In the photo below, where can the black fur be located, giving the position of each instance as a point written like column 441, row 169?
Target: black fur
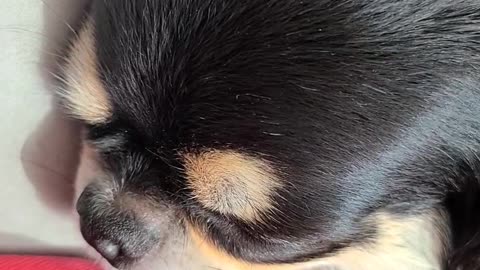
column 362, row 106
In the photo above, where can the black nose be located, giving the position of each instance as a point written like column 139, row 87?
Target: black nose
column 112, row 249
column 119, row 236
column 108, row 249
column 117, row 243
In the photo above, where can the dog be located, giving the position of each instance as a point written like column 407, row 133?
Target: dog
column 279, row 134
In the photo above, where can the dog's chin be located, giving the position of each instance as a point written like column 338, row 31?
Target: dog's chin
column 142, row 264
column 99, row 261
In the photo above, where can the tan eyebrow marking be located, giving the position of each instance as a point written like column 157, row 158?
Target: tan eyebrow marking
column 232, row 183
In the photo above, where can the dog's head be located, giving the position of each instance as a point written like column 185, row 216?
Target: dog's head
column 262, row 134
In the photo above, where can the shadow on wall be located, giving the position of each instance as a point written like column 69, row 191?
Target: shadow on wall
column 50, row 156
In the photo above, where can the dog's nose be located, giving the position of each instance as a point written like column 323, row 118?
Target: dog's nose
column 119, row 235
column 117, row 238
column 108, row 249
column 116, row 249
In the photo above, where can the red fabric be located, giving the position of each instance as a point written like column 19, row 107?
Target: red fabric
column 44, row 263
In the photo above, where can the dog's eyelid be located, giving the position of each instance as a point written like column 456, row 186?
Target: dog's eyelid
column 109, row 143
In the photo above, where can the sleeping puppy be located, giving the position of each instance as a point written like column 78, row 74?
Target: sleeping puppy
column 280, row 134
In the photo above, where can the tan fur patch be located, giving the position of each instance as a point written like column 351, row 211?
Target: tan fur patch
column 85, row 97
column 231, row 183
column 415, row 243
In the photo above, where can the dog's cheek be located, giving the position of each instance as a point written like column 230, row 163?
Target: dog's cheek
column 402, row 243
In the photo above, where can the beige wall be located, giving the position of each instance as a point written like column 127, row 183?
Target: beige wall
column 37, row 156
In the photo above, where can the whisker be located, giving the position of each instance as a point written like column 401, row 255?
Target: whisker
column 60, row 18
column 164, row 159
column 38, row 36
column 63, row 20
column 20, row 30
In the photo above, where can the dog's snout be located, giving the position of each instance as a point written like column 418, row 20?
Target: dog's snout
column 116, row 250
column 117, row 234
column 108, row 249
